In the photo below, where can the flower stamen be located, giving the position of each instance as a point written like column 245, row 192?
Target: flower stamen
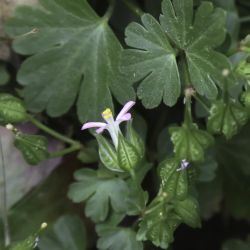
column 107, row 113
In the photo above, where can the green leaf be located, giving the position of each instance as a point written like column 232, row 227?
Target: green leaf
column 152, row 60
column 174, row 183
column 27, row 244
column 135, row 140
column 33, row 147
column 4, row 75
column 190, row 142
column 226, row 118
column 12, row 109
column 74, row 53
column 235, row 152
column 245, row 98
column 234, row 159
column 114, row 238
column 210, row 197
column 197, row 34
column 68, row 233
column 108, row 154
column 188, row 210
column 158, row 225
column 234, row 244
column 208, row 168
column 245, row 44
column 136, row 199
column 128, row 157
column 100, row 193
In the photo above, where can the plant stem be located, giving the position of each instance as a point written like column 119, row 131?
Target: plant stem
column 133, row 7
column 188, row 92
column 52, row 132
column 188, row 112
column 109, row 11
column 7, row 240
column 65, row 151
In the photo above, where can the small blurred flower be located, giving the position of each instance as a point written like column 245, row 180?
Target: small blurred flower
column 111, row 125
column 184, row 165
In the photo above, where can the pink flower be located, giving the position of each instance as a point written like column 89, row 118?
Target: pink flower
column 111, row 125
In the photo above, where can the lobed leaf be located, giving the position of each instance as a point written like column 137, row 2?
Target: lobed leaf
column 74, row 54
column 188, row 210
column 119, row 238
column 181, row 33
column 226, row 118
column 100, row 193
column 33, row 147
column 190, row 142
column 68, row 233
column 152, row 60
column 174, row 183
column 12, row 109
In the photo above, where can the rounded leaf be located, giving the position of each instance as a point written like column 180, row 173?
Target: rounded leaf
column 33, row 147
column 190, row 142
column 128, row 157
column 188, row 210
column 226, row 118
column 12, row 109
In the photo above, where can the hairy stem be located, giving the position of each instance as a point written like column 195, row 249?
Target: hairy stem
column 52, row 132
column 66, row 151
column 7, row 239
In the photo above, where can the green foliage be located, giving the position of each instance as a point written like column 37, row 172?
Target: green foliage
column 153, row 58
column 32, row 207
column 174, row 183
column 190, row 142
column 234, row 244
column 67, row 41
column 226, row 118
column 12, row 109
column 127, row 155
column 233, row 157
column 196, row 35
column 100, row 192
column 135, row 139
column 4, row 75
column 74, row 56
column 158, row 225
column 68, row 233
column 27, row 244
column 108, row 155
column 188, row 210
column 113, row 238
column 33, row 147
column 208, row 168
column 210, row 195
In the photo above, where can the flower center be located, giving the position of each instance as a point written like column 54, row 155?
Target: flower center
column 107, row 113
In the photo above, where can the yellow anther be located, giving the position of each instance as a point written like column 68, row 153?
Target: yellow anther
column 107, row 113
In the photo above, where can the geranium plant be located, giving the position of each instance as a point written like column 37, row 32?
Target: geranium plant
column 176, row 155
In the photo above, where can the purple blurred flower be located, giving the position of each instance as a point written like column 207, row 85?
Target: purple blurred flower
column 112, row 125
column 184, row 165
